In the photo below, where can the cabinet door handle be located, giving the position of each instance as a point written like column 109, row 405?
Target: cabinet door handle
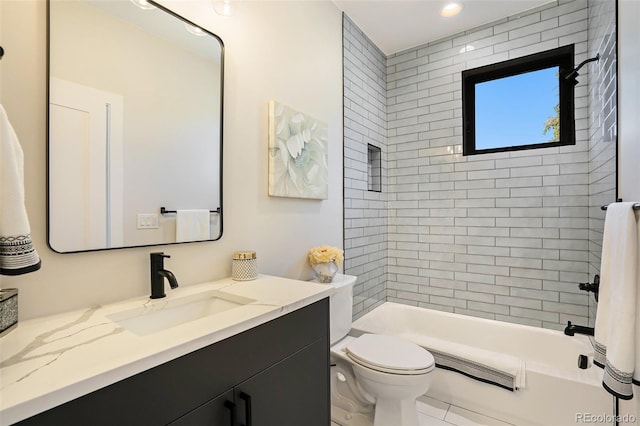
column 232, row 411
column 247, row 407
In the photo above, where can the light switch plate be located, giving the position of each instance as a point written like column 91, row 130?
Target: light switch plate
column 147, row 221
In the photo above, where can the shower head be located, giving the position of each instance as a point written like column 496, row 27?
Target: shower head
column 573, row 74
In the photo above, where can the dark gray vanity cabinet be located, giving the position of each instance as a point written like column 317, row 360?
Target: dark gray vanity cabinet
column 218, row 411
column 275, row 374
column 285, row 394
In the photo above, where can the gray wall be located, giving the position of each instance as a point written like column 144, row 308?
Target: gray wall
column 365, row 212
column 506, row 236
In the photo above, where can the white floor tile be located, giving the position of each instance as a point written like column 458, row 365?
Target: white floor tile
column 461, row 417
column 432, row 412
column 426, row 420
column 432, row 407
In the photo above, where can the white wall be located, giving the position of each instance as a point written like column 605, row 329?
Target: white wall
column 285, row 51
column 628, row 100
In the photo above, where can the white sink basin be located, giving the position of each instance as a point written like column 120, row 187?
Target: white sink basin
column 158, row 315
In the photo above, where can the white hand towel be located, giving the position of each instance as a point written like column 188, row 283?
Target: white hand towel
column 616, row 332
column 17, row 254
column 192, row 225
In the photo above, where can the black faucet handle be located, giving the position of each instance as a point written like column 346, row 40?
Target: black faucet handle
column 158, row 256
column 157, row 261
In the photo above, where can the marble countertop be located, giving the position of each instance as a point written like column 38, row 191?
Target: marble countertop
column 48, row 361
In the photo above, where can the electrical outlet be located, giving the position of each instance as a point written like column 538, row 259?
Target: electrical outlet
column 147, row 221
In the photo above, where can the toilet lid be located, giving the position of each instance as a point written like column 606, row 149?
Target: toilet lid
column 390, row 354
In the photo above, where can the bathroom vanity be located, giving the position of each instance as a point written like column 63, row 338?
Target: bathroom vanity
column 263, row 362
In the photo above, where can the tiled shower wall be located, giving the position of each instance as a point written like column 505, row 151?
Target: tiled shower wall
column 365, row 212
column 506, row 236
column 501, row 236
column 602, row 126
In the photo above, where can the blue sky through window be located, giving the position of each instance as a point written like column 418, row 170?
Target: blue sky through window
column 511, row 111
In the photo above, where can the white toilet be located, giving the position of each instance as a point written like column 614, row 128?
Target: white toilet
column 374, row 377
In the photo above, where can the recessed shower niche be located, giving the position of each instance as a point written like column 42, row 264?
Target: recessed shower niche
column 374, row 169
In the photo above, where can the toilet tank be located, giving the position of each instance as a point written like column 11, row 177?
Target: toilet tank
column 341, row 306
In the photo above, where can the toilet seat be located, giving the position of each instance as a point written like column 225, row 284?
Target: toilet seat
column 390, row 354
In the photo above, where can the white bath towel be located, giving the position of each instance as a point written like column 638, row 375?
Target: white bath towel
column 616, row 332
column 17, row 254
column 192, row 225
column 503, row 370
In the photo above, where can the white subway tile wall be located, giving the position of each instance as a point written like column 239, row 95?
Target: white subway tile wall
column 365, row 212
column 602, row 126
column 506, row 236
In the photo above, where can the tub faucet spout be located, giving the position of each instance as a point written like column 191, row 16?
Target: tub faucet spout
column 158, row 274
column 571, row 329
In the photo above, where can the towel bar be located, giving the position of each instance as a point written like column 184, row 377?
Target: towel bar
column 636, row 206
column 165, row 211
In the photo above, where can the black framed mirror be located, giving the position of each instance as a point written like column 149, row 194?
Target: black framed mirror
column 135, row 107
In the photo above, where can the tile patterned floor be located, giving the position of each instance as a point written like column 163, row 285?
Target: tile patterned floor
column 432, row 412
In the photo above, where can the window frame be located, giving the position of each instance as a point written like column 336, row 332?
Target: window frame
column 562, row 57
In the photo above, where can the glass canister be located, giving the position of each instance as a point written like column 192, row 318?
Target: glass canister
column 245, row 266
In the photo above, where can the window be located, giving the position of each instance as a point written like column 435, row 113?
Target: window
column 519, row 104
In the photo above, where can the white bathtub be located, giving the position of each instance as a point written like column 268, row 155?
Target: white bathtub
column 557, row 392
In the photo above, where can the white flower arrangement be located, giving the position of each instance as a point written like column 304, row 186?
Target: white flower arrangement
column 325, row 254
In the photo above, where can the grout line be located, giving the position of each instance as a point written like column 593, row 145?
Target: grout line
column 480, row 414
column 445, row 415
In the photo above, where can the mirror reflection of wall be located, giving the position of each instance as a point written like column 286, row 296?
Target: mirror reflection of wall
column 135, row 124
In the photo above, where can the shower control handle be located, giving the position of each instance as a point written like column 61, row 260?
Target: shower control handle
column 594, row 286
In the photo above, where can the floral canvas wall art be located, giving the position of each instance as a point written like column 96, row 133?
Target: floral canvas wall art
column 298, row 162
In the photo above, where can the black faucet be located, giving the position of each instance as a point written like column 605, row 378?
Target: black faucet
column 158, row 274
column 571, row 329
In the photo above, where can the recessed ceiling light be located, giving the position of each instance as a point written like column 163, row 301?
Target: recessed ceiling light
column 450, row 9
